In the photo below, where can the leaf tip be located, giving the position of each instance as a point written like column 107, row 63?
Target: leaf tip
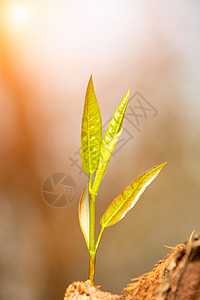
column 128, row 92
column 90, row 82
column 163, row 164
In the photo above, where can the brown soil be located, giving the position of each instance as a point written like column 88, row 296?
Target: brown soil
column 176, row 277
column 86, row 290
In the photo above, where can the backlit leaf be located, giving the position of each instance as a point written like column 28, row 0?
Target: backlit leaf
column 106, row 151
column 91, row 131
column 83, row 210
column 109, row 141
column 129, row 197
column 115, row 123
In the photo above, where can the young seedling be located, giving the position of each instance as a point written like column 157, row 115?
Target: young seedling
column 95, row 155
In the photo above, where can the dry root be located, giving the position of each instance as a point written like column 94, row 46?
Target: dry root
column 85, row 291
column 176, row 277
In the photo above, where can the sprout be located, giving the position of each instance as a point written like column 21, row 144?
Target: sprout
column 95, row 155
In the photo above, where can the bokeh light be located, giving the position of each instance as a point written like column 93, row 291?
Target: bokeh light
column 16, row 13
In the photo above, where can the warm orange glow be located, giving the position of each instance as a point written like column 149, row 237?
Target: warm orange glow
column 19, row 13
column 16, row 13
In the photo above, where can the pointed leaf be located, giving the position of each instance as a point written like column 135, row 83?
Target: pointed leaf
column 109, row 141
column 106, row 151
column 91, row 131
column 129, row 197
column 115, row 123
column 84, row 214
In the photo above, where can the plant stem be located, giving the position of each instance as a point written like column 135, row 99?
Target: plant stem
column 92, row 225
column 92, row 267
column 99, row 237
column 92, row 249
column 90, row 183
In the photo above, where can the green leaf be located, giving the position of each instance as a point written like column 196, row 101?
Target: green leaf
column 115, row 123
column 83, row 210
column 110, row 138
column 91, row 131
column 106, row 151
column 129, row 197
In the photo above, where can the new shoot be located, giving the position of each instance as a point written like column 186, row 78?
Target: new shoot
column 95, row 155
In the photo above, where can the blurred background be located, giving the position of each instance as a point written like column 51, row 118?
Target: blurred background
column 48, row 49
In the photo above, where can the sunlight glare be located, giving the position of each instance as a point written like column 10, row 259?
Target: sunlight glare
column 17, row 13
